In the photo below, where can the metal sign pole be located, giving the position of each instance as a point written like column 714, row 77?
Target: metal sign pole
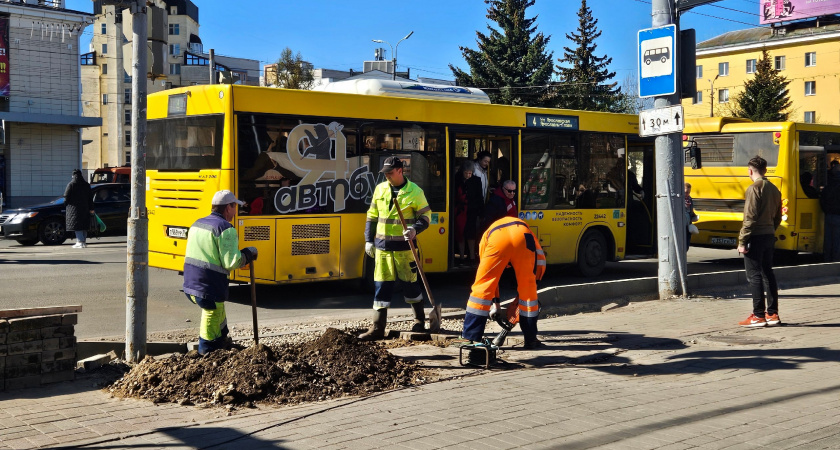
column 669, row 173
column 137, row 270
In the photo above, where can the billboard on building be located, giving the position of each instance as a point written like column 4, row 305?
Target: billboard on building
column 783, row 10
column 4, row 56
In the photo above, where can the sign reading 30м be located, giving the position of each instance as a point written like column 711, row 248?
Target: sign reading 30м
column 656, row 61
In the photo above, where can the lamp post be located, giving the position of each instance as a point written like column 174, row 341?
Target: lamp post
column 712, row 97
column 393, row 50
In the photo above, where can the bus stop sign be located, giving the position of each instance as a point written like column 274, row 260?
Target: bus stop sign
column 656, row 61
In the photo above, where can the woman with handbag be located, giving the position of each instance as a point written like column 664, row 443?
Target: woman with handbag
column 79, row 208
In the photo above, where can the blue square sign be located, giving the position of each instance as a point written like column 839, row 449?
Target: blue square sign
column 656, row 61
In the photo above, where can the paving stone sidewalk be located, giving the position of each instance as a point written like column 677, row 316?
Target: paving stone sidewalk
column 673, row 374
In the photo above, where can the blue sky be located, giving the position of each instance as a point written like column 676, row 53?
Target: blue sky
column 337, row 34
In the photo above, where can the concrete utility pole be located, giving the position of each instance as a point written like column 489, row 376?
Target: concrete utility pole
column 669, row 180
column 137, row 273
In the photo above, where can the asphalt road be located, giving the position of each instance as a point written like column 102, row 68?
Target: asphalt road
column 95, row 278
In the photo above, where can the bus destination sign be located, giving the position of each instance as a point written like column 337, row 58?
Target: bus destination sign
column 551, row 121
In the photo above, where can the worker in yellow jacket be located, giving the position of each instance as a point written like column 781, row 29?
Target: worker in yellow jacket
column 507, row 241
column 388, row 244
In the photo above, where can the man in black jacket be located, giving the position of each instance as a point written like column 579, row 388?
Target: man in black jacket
column 830, row 203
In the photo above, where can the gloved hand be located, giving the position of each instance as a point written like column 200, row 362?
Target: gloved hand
column 369, row 249
column 539, row 272
column 250, row 254
column 495, row 308
column 409, row 233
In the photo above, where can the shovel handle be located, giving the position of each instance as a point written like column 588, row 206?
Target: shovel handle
column 415, row 255
column 254, row 305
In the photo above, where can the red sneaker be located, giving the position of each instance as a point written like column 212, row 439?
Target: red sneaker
column 753, row 321
column 772, row 319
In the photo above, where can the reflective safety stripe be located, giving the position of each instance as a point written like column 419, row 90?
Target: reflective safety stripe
column 479, row 306
column 390, row 238
column 529, row 308
column 417, row 299
column 206, row 226
column 379, row 305
column 540, row 252
column 540, row 262
column 395, row 221
column 205, row 265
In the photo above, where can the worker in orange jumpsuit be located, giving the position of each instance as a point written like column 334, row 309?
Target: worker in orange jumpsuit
column 507, row 241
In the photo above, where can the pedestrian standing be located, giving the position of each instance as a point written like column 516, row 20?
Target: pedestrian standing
column 469, row 205
column 757, row 240
column 502, row 203
column 830, row 203
column 507, row 241
column 690, row 216
column 482, row 171
column 388, row 244
column 212, row 252
column 79, row 208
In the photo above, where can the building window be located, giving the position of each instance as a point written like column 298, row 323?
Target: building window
column 174, row 69
column 699, row 70
column 104, row 29
column 127, row 158
column 127, row 115
column 810, row 59
column 88, row 59
column 779, row 62
column 104, row 49
column 810, row 116
column 127, row 96
column 194, row 60
column 173, row 10
column 174, row 29
column 126, row 77
column 723, row 95
column 104, row 99
column 698, row 98
column 128, row 138
column 174, row 49
column 723, row 69
column 104, row 69
column 810, row 88
column 751, row 65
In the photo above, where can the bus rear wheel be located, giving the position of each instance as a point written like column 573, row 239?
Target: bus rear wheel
column 592, row 254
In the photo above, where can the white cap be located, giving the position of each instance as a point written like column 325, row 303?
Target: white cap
column 225, row 197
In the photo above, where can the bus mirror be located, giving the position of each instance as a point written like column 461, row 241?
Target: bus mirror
column 696, row 158
column 3, row 132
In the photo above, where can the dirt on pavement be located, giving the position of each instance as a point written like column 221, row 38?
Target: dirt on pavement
column 335, row 365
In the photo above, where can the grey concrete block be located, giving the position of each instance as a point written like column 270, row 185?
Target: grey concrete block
column 19, row 348
column 34, row 323
column 96, row 361
column 28, row 358
column 69, row 319
column 56, row 355
column 58, row 366
column 57, row 331
column 23, row 382
column 23, row 336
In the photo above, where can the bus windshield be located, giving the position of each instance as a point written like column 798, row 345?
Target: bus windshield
column 184, row 143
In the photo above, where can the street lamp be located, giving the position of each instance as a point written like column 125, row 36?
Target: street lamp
column 712, row 97
column 393, row 50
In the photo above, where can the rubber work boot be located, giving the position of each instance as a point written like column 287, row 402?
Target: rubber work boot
column 528, row 325
column 377, row 330
column 419, row 318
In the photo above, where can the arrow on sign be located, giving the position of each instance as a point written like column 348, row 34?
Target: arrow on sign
column 677, row 118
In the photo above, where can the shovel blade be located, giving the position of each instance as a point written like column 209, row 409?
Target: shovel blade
column 434, row 318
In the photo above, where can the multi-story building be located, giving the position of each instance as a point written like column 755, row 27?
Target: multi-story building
column 40, row 107
column 176, row 58
column 804, row 52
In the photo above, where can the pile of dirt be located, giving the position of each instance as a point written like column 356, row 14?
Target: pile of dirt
column 335, row 365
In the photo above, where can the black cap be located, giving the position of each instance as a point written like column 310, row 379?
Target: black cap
column 391, row 163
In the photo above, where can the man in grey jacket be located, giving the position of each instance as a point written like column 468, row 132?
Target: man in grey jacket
column 757, row 240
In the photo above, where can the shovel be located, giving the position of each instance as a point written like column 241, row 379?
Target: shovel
column 434, row 315
column 254, row 305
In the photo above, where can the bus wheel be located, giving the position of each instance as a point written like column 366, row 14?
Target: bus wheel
column 592, row 254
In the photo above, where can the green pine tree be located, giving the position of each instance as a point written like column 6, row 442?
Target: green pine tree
column 512, row 65
column 766, row 97
column 292, row 72
column 584, row 79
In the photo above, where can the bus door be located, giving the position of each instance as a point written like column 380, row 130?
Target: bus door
column 641, row 214
column 466, row 145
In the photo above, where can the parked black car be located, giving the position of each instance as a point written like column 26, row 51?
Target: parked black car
column 46, row 222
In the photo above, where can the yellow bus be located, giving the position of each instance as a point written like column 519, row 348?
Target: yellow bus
column 797, row 154
column 307, row 163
